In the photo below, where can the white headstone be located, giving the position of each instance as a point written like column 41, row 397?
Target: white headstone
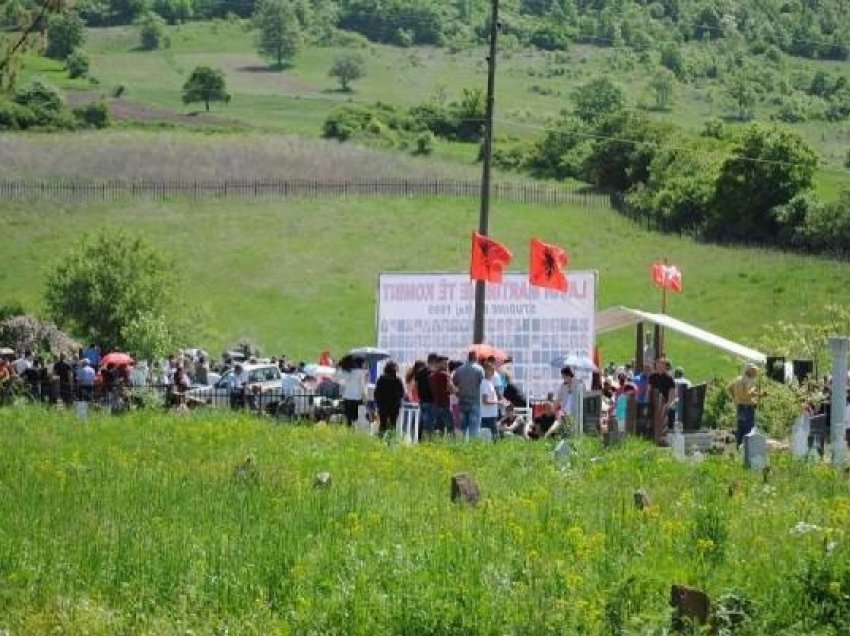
column 677, row 443
column 839, row 348
column 800, row 438
column 755, row 450
column 82, row 409
column 562, row 452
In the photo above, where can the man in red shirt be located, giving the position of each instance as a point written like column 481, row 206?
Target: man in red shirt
column 441, row 387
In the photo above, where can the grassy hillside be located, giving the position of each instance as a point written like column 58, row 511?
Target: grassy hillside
column 533, row 86
column 137, row 525
column 299, row 276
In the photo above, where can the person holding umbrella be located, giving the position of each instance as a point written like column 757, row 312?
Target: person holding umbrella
column 352, row 376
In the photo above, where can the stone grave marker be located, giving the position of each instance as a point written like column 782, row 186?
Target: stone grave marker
column 800, row 438
column 755, row 450
column 465, row 489
column 692, row 606
column 642, row 500
column 322, row 480
column 562, row 453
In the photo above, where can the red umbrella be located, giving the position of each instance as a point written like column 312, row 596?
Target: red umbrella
column 117, row 358
column 485, row 351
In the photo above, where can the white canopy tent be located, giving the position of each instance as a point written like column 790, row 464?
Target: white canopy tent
column 617, row 317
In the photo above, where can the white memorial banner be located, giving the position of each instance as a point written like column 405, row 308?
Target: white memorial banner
column 423, row 313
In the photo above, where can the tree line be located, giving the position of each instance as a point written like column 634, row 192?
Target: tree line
column 751, row 184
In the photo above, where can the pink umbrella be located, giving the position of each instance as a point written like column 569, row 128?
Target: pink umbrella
column 117, row 358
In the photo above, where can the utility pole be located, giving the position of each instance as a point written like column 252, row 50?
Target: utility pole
column 484, row 217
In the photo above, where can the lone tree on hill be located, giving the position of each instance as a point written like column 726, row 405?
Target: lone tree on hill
column 206, row 85
column 280, row 30
column 347, row 68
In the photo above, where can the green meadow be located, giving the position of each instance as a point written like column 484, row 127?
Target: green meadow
column 298, row 276
column 141, row 525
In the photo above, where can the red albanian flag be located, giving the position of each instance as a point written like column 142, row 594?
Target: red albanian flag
column 489, row 258
column 667, row 277
column 547, row 266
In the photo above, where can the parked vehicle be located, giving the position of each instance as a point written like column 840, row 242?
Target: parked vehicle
column 263, row 385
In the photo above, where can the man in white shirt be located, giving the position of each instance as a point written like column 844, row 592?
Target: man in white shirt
column 489, row 402
column 566, row 395
column 23, row 363
column 237, row 382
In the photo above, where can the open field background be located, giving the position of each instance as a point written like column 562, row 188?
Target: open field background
column 299, row 276
column 137, row 525
column 533, row 86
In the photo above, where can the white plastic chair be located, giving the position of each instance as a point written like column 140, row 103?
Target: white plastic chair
column 407, row 426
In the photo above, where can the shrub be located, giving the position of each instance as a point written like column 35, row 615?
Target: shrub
column 151, row 30
column 45, row 105
column 64, row 34
column 93, row 115
column 77, row 64
column 424, row 143
column 28, row 332
column 14, row 116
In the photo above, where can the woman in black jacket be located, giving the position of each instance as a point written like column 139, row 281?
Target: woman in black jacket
column 389, row 392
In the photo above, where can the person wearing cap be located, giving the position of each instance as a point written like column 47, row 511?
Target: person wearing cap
column 744, row 393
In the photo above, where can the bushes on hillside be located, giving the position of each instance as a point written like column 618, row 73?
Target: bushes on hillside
column 396, row 126
column 41, row 106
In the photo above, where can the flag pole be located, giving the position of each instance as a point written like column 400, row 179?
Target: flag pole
column 484, row 217
column 661, row 333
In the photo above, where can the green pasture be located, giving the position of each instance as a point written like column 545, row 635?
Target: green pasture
column 142, row 525
column 533, row 86
column 299, row 276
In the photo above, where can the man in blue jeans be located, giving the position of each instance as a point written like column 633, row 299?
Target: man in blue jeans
column 467, row 379
column 744, row 393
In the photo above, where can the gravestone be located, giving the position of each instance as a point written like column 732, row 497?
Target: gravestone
column 803, row 369
column 562, row 453
column 246, row 471
column 642, row 500
column 81, row 408
column 818, row 433
column 692, row 606
column 614, row 437
column 692, row 408
column 800, row 438
column 592, row 412
column 755, row 450
column 775, row 368
column 322, row 480
column 465, row 489
column 677, row 443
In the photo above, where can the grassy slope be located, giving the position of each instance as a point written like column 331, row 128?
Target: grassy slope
column 298, row 276
column 136, row 525
column 299, row 99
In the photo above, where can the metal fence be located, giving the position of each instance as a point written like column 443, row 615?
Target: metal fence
column 93, row 191
column 273, row 402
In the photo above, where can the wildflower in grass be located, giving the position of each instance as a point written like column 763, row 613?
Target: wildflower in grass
column 801, row 527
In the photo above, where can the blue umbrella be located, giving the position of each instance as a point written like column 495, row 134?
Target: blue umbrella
column 575, row 362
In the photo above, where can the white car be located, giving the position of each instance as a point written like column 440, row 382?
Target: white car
column 264, row 381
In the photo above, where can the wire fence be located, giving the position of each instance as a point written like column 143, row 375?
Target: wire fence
column 73, row 191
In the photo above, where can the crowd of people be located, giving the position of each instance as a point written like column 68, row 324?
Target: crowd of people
column 454, row 397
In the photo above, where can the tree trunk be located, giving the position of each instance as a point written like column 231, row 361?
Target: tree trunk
column 207, row 104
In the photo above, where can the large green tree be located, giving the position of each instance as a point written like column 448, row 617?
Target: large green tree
column 768, row 167
column 280, row 30
column 105, row 283
column 65, row 32
column 205, row 85
column 597, row 99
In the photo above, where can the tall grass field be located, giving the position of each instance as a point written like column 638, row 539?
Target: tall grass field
column 142, row 525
